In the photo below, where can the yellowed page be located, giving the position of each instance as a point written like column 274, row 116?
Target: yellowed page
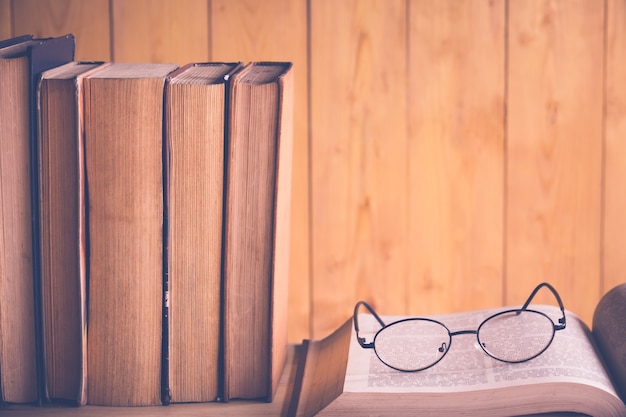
column 570, row 358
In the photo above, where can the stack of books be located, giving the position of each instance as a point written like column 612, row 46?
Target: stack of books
column 145, row 220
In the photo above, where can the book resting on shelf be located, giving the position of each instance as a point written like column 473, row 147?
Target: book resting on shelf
column 124, row 179
column 196, row 115
column 63, row 243
column 256, row 230
column 22, row 60
column 580, row 372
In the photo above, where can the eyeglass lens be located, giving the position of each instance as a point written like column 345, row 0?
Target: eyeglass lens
column 412, row 345
column 516, row 336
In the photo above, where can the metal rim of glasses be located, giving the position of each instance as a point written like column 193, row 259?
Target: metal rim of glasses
column 445, row 347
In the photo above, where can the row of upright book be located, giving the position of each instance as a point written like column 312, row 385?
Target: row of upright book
column 145, row 228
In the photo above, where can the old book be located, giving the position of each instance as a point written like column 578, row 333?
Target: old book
column 256, row 235
column 124, row 159
column 21, row 62
column 336, row 376
column 62, row 230
column 196, row 109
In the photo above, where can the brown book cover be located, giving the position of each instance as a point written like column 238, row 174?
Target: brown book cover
column 196, row 108
column 22, row 60
column 62, row 238
column 124, row 164
column 256, row 234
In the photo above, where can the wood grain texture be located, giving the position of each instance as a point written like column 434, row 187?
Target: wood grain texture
column 174, row 31
column 276, row 30
column 456, row 135
column 554, row 150
column 614, row 243
column 6, row 26
column 87, row 20
column 359, row 158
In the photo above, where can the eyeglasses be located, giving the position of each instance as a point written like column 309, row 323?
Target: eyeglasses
column 416, row 344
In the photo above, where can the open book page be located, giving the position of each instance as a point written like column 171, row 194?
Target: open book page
column 609, row 330
column 570, row 358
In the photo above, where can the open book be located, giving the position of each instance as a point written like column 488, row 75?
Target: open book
column 336, row 376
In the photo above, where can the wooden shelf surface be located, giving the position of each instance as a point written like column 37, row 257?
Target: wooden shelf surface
column 278, row 407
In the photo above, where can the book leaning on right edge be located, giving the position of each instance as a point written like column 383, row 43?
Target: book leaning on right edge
column 256, row 230
column 581, row 372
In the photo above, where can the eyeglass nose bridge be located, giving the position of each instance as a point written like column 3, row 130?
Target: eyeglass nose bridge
column 463, row 332
column 445, row 349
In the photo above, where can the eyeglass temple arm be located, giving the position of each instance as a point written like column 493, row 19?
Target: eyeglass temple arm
column 361, row 340
column 561, row 324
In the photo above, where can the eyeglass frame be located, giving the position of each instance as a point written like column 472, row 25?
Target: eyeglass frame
column 371, row 345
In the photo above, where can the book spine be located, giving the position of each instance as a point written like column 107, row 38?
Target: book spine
column 223, row 391
column 166, row 393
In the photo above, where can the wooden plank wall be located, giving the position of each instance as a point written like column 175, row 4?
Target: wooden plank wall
column 456, row 125
column 449, row 155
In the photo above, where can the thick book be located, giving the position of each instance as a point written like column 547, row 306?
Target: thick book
column 124, row 165
column 22, row 60
column 196, row 109
column 256, row 234
column 62, row 242
column 581, row 372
